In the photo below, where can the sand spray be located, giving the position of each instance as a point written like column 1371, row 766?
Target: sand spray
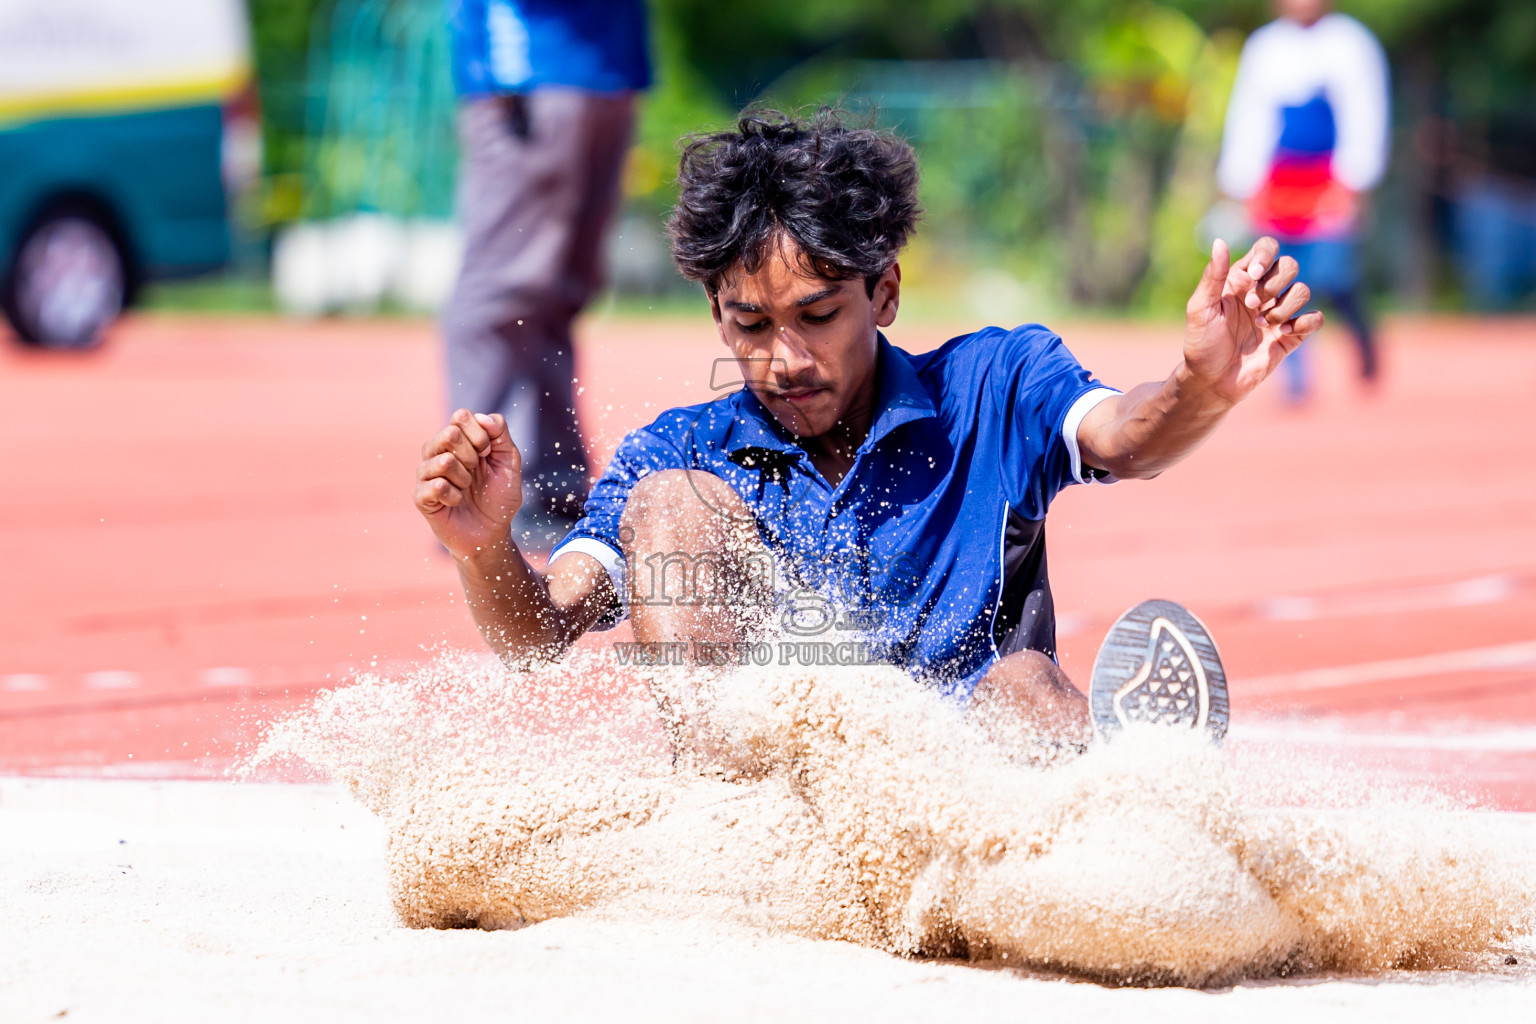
column 853, row 804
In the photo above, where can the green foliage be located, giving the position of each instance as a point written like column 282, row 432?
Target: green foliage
column 1069, row 146
column 1085, row 161
column 280, row 39
column 682, row 102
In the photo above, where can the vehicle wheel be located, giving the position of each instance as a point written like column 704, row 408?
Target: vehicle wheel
column 68, row 281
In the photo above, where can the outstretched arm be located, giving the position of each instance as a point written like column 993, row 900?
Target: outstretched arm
column 469, row 486
column 1238, row 327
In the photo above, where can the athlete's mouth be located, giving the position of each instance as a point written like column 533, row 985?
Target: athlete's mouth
column 797, row 394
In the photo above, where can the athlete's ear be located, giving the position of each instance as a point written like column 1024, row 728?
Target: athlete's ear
column 714, row 310
column 887, row 296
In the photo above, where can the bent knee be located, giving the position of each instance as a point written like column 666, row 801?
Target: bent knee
column 1023, row 676
column 667, row 485
column 679, row 489
column 680, row 497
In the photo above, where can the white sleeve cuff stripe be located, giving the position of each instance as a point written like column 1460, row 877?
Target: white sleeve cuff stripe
column 611, row 561
column 1074, row 419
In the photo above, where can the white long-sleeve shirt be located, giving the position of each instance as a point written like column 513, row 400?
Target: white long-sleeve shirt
column 1286, row 65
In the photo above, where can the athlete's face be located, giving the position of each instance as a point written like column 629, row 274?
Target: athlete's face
column 806, row 344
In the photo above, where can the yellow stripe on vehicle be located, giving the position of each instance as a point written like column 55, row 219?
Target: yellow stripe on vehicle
column 211, row 86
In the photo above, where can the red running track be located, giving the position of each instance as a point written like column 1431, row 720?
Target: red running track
column 209, row 520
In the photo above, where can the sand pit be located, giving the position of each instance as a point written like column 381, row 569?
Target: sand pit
column 245, row 902
column 855, row 807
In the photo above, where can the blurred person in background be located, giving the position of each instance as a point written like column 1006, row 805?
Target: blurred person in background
column 1305, row 140
column 547, row 92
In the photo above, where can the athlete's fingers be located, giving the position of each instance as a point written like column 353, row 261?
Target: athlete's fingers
column 453, row 440
column 1305, row 325
column 1260, row 258
column 469, row 423
column 1208, row 291
column 1276, row 311
column 458, row 442
column 448, row 467
column 435, row 495
column 1274, row 283
column 495, row 426
column 1245, row 274
column 1290, row 304
column 450, row 439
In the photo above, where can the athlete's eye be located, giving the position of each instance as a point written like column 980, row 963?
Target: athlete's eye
column 820, row 318
column 756, row 327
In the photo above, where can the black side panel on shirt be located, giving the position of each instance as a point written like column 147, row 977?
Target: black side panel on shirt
column 1026, row 616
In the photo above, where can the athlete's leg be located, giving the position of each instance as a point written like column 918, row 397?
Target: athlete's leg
column 1157, row 665
column 699, row 573
column 1027, row 704
column 700, row 578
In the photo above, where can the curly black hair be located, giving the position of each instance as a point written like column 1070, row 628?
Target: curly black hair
column 847, row 197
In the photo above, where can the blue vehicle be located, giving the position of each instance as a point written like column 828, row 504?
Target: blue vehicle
column 121, row 138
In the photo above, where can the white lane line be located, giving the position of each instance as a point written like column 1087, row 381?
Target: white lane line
column 111, row 680
column 1071, row 623
column 1509, row 741
column 225, row 675
column 1518, row 655
column 1391, row 601
column 24, row 682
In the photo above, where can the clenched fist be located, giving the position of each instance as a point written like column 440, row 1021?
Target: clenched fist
column 470, row 483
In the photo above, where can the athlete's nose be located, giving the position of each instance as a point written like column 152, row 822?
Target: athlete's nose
column 791, row 359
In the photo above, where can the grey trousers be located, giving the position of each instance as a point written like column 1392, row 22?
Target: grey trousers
column 538, row 184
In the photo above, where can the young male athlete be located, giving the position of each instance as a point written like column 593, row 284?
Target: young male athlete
column 902, row 498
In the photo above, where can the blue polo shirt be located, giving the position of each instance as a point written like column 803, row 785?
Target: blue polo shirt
column 930, row 552
column 519, row 45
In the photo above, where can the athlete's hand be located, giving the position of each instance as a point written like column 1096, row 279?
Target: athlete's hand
column 470, row 483
column 1238, row 326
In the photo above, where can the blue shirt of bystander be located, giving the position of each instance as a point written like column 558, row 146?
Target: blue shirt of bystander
column 502, row 46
